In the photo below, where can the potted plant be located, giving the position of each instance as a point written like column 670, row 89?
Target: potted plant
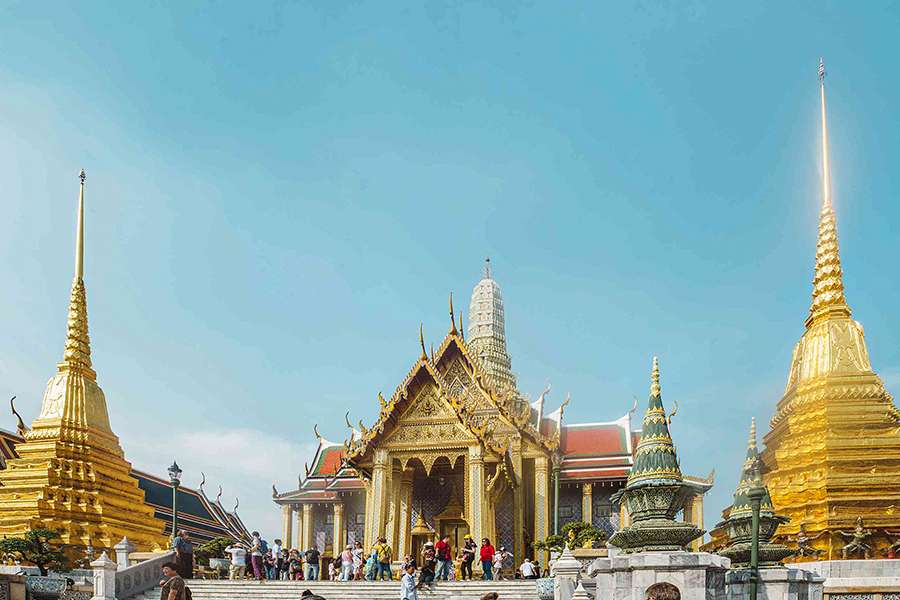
column 213, row 553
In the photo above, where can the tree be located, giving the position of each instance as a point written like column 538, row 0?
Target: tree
column 35, row 547
column 214, row 548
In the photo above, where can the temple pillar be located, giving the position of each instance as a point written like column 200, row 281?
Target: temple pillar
column 299, row 514
column 476, row 493
column 307, row 537
column 338, row 531
column 393, row 520
column 697, row 519
column 287, row 522
column 518, row 508
column 403, row 536
column 541, row 503
column 587, row 502
column 378, row 500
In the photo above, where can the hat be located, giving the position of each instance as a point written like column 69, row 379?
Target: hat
column 467, row 537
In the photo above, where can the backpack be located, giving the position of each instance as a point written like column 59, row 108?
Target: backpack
column 384, row 553
column 187, row 593
column 263, row 546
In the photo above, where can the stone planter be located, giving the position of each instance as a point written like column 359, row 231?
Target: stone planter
column 220, row 564
column 45, row 587
column 544, row 588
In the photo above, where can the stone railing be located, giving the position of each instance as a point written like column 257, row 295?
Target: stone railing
column 127, row 582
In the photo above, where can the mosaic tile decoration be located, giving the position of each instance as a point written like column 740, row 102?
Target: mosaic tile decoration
column 504, row 520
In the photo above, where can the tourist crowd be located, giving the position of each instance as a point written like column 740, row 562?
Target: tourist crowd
column 436, row 562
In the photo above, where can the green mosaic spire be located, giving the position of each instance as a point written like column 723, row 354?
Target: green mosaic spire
column 751, row 476
column 655, row 460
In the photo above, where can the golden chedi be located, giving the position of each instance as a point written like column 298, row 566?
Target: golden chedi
column 71, row 474
column 833, row 453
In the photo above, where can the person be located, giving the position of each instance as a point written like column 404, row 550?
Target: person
column 238, row 560
column 312, row 564
column 308, row 595
column 269, row 565
column 426, row 575
column 295, row 566
column 502, row 560
column 184, row 554
column 357, row 560
column 527, row 569
column 444, row 560
column 385, row 556
column 491, row 596
column 372, row 564
column 468, row 557
column 487, row 559
column 408, row 583
column 332, row 570
column 347, row 563
column 256, row 556
column 278, row 555
column 173, row 587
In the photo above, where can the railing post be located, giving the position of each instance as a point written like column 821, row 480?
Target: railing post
column 123, row 549
column 566, row 572
column 104, row 578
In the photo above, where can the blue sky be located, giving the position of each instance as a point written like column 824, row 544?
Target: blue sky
column 278, row 193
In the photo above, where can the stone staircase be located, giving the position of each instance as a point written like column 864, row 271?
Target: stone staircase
column 351, row 590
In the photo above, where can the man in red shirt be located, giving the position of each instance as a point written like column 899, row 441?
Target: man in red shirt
column 444, row 560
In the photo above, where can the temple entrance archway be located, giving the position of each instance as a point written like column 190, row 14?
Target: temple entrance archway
column 438, row 495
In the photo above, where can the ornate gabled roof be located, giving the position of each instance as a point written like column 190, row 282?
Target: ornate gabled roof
column 464, row 401
column 655, row 460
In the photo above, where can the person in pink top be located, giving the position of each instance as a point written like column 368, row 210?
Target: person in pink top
column 347, row 563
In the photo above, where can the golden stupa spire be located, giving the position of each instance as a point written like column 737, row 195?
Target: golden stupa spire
column 655, row 390
column 78, row 344
column 828, row 284
column 751, row 442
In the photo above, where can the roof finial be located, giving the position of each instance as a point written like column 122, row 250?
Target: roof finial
column 751, row 442
column 487, row 268
column 452, row 316
column 78, row 343
column 462, row 332
column 422, row 341
column 828, row 284
column 654, row 378
column 316, row 431
column 79, row 231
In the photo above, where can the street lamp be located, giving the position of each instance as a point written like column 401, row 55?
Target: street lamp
column 175, row 480
column 756, row 494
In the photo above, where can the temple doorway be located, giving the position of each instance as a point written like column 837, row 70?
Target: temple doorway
column 438, row 496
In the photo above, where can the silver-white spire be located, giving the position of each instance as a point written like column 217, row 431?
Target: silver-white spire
column 486, row 335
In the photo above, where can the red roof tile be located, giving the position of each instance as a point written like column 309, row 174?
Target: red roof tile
column 593, row 439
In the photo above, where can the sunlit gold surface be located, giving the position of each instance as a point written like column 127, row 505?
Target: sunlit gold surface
column 71, row 474
column 833, row 452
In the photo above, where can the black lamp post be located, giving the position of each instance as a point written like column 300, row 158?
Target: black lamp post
column 175, row 480
column 756, row 494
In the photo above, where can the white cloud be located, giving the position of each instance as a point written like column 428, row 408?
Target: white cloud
column 245, row 462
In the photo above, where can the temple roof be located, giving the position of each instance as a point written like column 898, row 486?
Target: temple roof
column 595, row 451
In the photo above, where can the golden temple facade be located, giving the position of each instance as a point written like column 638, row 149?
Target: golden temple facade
column 832, row 455
column 457, row 450
column 70, row 473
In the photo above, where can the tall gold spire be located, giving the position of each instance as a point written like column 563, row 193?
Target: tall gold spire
column 828, row 284
column 655, row 390
column 751, row 443
column 78, row 343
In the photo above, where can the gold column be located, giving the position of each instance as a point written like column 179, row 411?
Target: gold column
column 393, row 520
column 406, row 491
column 518, row 507
column 287, row 518
column 587, row 502
column 307, row 527
column 380, row 481
column 367, row 533
column 338, row 531
column 299, row 514
column 541, row 503
column 475, row 465
column 697, row 519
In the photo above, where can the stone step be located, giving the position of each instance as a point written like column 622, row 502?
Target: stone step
column 353, row 590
